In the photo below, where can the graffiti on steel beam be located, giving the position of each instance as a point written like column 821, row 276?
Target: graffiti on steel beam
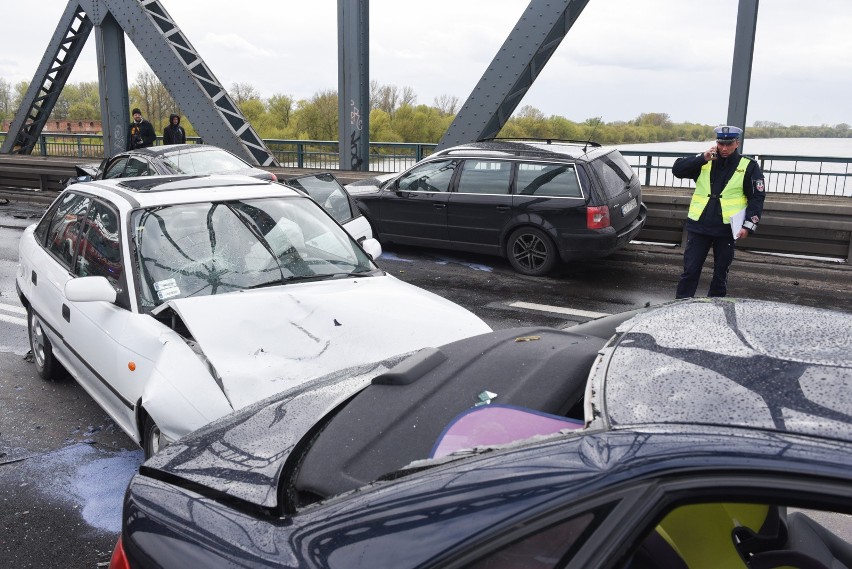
column 355, row 158
column 119, row 144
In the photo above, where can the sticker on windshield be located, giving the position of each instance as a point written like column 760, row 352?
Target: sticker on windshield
column 164, row 284
column 166, row 288
column 168, row 293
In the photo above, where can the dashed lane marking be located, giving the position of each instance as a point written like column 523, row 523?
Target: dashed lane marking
column 558, row 309
column 12, row 319
column 13, row 308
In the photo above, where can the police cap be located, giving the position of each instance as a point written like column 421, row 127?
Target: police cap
column 727, row 132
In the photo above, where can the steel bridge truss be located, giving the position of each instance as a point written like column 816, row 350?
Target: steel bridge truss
column 527, row 49
column 168, row 52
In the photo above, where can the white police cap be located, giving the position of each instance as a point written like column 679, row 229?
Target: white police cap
column 727, row 132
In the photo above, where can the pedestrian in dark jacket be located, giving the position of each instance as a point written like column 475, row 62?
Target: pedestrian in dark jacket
column 726, row 207
column 140, row 134
column 174, row 133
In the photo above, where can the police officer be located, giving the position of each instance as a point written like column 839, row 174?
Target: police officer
column 725, row 183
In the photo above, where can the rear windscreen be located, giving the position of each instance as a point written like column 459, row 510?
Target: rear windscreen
column 614, row 173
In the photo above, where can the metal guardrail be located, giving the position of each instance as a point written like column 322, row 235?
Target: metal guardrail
column 809, row 175
column 799, row 224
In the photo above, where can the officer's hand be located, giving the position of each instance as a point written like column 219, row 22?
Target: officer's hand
column 710, row 154
column 743, row 233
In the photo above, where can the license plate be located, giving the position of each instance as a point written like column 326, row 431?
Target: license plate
column 629, row 206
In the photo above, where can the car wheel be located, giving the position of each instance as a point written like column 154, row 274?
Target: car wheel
column 40, row 347
column 152, row 439
column 531, row 252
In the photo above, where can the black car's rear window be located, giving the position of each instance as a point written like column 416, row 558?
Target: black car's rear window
column 614, row 173
column 555, row 180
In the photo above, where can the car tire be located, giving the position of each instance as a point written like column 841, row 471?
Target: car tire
column 40, row 347
column 531, row 252
column 151, row 438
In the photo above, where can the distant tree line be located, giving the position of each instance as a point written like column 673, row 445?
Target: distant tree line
column 395, row 116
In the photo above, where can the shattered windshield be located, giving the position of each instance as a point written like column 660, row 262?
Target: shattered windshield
column 217, row 247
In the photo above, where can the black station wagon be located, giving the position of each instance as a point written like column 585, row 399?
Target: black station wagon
column 533, row 202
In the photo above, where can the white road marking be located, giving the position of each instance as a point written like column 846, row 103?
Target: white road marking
column 13, row 308
column 558, row 309
column 13, row 320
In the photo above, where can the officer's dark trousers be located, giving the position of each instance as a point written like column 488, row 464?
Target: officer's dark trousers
column 697, row 247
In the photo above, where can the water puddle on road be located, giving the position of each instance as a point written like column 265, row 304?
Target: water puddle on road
column 90, row 480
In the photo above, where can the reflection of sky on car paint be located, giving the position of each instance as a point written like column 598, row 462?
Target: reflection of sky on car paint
column 91, row 479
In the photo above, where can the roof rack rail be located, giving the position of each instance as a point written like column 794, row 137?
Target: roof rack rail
column 546, row 140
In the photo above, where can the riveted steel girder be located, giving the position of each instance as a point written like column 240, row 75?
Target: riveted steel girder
column 741, row 67
column 180, row 68
column 353, row 79
column 112, row 75
column 523, row 55
column 68, row 40
column 167, row 51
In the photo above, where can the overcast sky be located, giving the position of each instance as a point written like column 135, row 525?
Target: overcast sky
column 621, row 58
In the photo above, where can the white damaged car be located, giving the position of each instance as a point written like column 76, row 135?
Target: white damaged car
column 174, row 301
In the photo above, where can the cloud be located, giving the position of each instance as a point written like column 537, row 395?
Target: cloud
column 237, row 45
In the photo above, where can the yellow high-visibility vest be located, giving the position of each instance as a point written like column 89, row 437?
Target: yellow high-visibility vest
column 732, row 197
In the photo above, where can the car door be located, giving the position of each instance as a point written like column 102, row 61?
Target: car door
column 550, row 195
column 480, row 206
column 331, row 195
column 51, row 269
column 414, row 207
column 115, row 167
column 96, row 328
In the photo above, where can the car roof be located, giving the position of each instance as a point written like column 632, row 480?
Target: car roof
column 175, row 148
column 732, row 362
column 151, row 191
column 543, row 149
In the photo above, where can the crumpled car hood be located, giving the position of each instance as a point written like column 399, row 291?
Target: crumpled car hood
column 265, row 341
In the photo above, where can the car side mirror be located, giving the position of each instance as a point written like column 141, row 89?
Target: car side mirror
column 74, row 180
column 372, row 247
column 89, row 289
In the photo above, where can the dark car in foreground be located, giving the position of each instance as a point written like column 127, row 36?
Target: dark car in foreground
column 534, row 202
column 174, row 159
column 702, row 433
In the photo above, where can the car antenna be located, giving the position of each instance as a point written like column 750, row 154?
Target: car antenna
column 598, row 122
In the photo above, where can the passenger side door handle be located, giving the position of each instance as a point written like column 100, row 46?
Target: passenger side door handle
column 66, row 313
column 503, row 208
column 439, row 205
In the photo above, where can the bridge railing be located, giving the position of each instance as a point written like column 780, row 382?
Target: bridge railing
column 809, row 175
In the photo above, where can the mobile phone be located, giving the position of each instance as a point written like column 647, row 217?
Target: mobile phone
column 713, row 155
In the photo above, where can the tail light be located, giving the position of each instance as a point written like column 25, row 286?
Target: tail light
column 597, row 217
column 118, row 559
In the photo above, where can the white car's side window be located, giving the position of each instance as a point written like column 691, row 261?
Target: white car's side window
column 100, row 249
column 65, row 227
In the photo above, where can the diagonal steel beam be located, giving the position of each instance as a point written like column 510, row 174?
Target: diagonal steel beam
column 523, row 55
column 191, row 83
column 59, row 58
